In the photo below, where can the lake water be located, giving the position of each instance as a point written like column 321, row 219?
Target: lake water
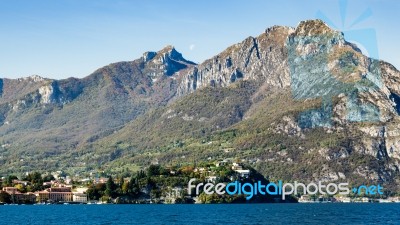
column 202, row 214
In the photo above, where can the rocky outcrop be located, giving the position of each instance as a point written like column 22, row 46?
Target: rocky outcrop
column 263, row 58
column 164, row 62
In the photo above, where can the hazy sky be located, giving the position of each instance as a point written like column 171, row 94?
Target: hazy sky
column 64, row 38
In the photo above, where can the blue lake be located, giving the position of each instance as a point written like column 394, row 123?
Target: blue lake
column 202, row 214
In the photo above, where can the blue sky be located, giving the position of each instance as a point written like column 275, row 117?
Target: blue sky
column 64, row 38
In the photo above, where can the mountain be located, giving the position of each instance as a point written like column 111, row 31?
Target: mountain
column 42, row 118
column 297, row 103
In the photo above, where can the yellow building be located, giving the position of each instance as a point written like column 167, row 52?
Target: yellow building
column 55, row 194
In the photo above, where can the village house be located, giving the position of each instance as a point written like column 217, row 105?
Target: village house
column 23, row 182
column 101, row 180
column 243, row 173
column 18, row 197
column 79, row 197
column 237, row 166
column 220, row 163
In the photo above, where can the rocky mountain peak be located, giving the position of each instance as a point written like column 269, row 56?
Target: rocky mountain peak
column 33, row 78
column 276, row 28
column 167, row 49
column 169, row 53
column 166, row 61
column 313, row 28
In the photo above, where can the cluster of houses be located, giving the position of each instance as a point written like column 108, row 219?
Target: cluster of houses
column 237, row 167
column 17, row 196
column 60, row 189
column 50, row 195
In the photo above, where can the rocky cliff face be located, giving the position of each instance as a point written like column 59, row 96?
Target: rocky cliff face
column 262, row 58
column 315, row 62
column 323, row 65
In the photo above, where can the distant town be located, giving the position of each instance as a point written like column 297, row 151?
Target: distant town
column 156, row 184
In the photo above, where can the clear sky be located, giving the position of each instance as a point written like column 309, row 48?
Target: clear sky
column 64, row 38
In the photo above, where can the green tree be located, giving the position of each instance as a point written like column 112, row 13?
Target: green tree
column 140, row 174
column 153, row 170
column 105, row 199
column 118, row 188
column 96, row 191
column 36, row 181
column 34, row 178
column 155, row 193
column 5, row 197
column 9, row 180
column 134, row 189
column 125, row 187
column 21, row 188
column 48, row 178
column 110, row 187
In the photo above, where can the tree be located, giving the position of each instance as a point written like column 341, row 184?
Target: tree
column 125, row 187
column 34, row 178
column 105, row 199
column 48, row 178
column 5, row 197
column 134, row 189
column 96, row 191
column 153, row 170
column 10, row 179
column 140, row 174
column 118, row 188
column 21, row 188
column 155, row 193
column 110, row 187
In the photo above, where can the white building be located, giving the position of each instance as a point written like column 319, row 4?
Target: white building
column 243, row 173
column 79, row 197
column 237, row 166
